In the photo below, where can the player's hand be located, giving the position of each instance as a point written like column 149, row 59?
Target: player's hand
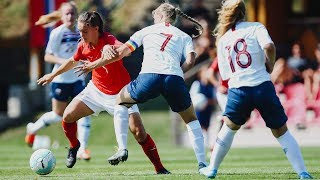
column 45, row 79
column 84, row 68
column 109, row 52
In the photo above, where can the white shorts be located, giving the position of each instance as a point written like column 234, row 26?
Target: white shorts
column 98, row 101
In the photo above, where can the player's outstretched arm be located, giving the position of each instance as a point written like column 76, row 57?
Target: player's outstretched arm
column 69, row 64
column 109, row 55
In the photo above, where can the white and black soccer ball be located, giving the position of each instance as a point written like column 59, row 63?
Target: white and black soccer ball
column 42, row 161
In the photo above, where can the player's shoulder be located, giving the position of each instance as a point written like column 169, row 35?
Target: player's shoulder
column 252, row 25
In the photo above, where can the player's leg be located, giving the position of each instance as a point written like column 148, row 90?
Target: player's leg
column 236, row 111
column 273, row 114
column 74, row 111
column 178, row 97
column 60, row 94
column 146, row 142
column 144, row 87
column 84, row 125
column 121, row 126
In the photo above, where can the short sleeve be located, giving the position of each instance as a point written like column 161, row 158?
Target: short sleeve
column 78, row 54
column 53, row 43
column 135, row 40
column 263, row 36
column 223, row 65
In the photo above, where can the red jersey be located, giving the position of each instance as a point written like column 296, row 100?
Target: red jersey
column 214, row 66
column 109, row 78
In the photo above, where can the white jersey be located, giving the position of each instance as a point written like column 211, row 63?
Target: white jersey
column 164, row 46
column 63, row 43
column 241, row 56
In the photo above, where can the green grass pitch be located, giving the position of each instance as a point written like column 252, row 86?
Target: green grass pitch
column 240, row 163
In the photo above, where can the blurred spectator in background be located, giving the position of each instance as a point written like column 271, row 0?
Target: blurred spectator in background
column 203, row 42
column 196, row 10
column 203, row 99
column 290, row 90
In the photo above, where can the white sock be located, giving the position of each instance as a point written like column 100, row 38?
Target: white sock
column 292, row 151
column 83, row 132
column 121, row 125
column 45, row 120
column 222, row 146
column 196, row 140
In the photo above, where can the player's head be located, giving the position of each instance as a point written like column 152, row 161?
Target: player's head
column 90, row 25
column 166, row 12
column 231, row 12
column 67, row 13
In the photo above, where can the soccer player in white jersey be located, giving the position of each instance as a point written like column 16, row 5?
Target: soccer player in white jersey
column 63, row 42
column 164, row 47
column 245, row 50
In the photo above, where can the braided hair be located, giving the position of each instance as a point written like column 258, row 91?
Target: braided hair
column 172, row 12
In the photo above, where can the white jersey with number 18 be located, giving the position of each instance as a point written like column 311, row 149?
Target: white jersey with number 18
column 164, row 45
column 241, row 56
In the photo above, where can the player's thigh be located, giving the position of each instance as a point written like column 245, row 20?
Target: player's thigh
column 177, row 94
column 239, row 105
column 269, row 106
column 58, row 106
column 146, row 86
column 76, row 110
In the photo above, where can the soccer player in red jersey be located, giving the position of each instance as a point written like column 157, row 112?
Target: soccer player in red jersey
column 100, row 93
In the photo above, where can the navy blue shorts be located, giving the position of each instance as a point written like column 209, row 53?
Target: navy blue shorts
column 66, row 91
column 150, row 85
column 241, row 101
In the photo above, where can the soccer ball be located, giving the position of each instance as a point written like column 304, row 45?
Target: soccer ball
column 42, row 161
column 199, row 101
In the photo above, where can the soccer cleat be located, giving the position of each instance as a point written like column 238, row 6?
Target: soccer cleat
column 201, row 165
column 163, row 171
column 208, row 172
column 29, row 139
column 85, row 155
column 72, row 156
column 305, row 175
column 121, row 155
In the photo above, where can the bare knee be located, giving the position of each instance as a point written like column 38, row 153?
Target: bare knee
column 68, row 116
column 231, row 124
column 280, row 131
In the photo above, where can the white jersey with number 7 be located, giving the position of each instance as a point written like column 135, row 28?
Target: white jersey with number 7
column 241, row 56
column 164, row 46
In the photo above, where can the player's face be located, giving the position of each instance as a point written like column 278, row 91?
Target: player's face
column 88, row 33
column 68, row 15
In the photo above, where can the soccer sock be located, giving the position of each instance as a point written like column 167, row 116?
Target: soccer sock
column 150, row 149
column 292, row 151
column 83, row 132
column 45, row 120
column 196, row 140
column 222, row 146
column 70, row 130
column 121, row 125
